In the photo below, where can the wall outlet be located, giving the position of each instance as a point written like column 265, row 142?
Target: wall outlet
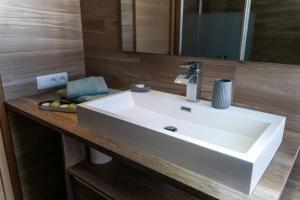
column 52, row 80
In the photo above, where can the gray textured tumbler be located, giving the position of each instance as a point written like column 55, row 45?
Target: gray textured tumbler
column 222, row 94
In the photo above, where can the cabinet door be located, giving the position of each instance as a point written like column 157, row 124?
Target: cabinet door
column 153, row 24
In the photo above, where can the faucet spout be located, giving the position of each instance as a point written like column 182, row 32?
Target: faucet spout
column 192, row 79
column 182, row 79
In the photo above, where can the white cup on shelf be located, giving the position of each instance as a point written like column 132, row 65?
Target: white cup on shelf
column 98, row 157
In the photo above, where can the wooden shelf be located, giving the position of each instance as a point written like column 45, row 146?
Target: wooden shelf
column 120, row 182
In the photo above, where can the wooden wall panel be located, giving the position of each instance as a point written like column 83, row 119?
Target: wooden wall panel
column 37, row 37
column 270, row 88
column 267, row 87
column 19, row 71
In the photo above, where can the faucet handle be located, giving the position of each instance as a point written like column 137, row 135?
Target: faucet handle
column 192, row 67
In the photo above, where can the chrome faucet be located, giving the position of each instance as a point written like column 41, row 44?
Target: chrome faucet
column 192, row 79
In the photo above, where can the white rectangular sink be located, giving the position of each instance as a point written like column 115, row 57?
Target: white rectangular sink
column 232, row 147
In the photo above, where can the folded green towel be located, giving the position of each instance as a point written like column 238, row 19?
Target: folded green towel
column 90, row 98
column 86, row 87
column 63, row 94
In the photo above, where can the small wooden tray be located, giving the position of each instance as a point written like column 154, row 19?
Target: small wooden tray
column 57, row 109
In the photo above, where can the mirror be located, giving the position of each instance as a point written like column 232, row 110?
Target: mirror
column 256, row 30
column 213, row 28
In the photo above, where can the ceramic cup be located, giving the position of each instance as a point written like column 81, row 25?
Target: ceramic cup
column 98, row 157
column 222, row 94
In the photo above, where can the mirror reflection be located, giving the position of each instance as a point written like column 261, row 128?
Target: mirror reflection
column 257, row 30
column 213, row 28
column 277, row 31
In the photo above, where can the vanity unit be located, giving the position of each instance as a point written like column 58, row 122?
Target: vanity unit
column 135, row 173
column 93, row 37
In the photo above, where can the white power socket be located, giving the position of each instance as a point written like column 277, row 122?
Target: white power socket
column 52, row 80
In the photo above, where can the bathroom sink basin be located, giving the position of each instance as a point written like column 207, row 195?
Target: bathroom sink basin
column 232, row 147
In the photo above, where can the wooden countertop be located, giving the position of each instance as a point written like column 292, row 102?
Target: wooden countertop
column 270, row 186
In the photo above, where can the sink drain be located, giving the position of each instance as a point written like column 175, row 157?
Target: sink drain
column 171, row 128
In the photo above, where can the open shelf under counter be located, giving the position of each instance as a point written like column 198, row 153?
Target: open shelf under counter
column 117, row 181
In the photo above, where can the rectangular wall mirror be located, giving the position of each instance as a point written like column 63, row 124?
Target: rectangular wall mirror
column 214, row 28
column 256, row 30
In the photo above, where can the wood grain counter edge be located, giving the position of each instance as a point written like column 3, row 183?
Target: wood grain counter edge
column 270, row 186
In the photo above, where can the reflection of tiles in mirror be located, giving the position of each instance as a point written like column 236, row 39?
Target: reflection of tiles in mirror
column 206, row 35
column 276, row 37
